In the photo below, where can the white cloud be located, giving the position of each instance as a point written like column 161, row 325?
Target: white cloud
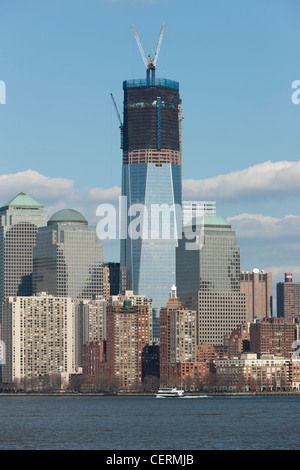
column 61, row 193
column 264, row 240
column 36, row 185
column 101, row 194
column 268, row 178
column 268, row 243
column 261, row 226
column 56, row 193
column 258, row 181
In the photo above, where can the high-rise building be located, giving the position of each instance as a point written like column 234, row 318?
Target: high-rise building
column 181, row 361
column 20, row 219
column 208, row 278
column 106, row 282
column 114, row 277
column 151, row 180
column 177, row 335
column 195, row 209
column 90, row 324
column 288, row 298
column 68, row 258
column 257, row 286
column 135, row 300
column 126, row 355
column 128, row 333
column 38, row 334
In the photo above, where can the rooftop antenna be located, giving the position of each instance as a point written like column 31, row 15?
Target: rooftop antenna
column 150, row 62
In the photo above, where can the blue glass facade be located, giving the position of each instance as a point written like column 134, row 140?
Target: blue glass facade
column 149, row 260
column 151, row 177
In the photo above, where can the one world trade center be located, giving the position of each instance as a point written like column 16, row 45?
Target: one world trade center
column 151, row 183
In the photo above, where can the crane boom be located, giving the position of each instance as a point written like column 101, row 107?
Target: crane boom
column 151, row 62
column 140, row 46
column 154, row 61
column 119, row 117
column 117, row 111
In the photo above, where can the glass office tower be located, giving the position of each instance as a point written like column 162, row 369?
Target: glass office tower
column 151, row 178
column 20, row 219
column 68, row 258
column 208, row 279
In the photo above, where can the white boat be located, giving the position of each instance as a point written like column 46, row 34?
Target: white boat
column 164, row 392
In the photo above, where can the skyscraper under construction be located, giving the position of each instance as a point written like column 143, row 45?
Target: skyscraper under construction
column 151, row 179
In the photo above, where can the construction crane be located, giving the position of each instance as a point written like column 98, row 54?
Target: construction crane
column 150, row 62
column 119, row 117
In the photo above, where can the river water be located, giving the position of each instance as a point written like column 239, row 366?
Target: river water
column 138, row 423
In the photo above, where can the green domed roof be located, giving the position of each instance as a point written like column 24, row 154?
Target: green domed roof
column 67, row 216
column 23, row 201
column 215, row 220
column 209, row 220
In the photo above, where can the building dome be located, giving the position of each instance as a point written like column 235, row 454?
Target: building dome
column 67, row 216
column 216, row 221
column 209, row 221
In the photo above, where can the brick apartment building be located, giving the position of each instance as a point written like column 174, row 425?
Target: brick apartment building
column 237, row 342
column 272, row 336
column 120, row 356
column 288, row 298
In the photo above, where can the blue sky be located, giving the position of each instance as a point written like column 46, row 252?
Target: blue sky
column 235, row 61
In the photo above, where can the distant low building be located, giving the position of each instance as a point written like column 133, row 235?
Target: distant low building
column 250, row 373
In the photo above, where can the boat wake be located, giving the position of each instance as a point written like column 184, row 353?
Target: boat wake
column 195, row 396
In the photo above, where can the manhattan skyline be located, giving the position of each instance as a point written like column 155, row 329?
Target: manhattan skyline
column 59, row 135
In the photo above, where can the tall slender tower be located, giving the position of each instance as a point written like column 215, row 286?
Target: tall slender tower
column 151, row 179
column 20, row 219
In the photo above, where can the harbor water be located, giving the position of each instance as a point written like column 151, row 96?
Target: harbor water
column 137, row 423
